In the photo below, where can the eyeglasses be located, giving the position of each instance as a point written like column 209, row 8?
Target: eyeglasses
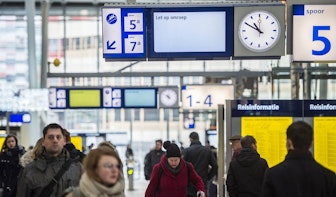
column 111, row 166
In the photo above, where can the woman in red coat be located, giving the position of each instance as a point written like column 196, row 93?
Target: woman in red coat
column 171, row 176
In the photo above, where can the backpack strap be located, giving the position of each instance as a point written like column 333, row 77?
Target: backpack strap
column 159, row 178
column 46, row 191
column 188, row 166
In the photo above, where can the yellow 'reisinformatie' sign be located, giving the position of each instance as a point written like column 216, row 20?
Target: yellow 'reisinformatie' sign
column 270, row 133
column 325, row 141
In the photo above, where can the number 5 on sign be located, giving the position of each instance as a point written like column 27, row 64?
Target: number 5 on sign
column 314, row 33
column 133, row 22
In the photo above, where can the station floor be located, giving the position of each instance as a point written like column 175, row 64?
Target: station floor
column 139, row 187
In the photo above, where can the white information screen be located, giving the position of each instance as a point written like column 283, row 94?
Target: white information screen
column 189, row 31
column 314, row 33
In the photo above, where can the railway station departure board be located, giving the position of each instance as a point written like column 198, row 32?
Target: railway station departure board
column 268, row 120
column 325, row 137
column 270, row 133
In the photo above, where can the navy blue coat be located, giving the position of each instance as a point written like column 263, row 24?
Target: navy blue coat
column 299, row 175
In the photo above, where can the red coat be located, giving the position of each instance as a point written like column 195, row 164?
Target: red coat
column 170, row 184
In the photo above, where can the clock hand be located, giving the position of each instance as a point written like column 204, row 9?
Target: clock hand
column 252, row 27
column 257, row 28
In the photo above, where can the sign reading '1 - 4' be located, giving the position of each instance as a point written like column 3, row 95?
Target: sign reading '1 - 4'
column 314, row 33
column 200, row 97
column 124, row 33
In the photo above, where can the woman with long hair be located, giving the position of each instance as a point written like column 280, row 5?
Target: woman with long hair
column 10, row 165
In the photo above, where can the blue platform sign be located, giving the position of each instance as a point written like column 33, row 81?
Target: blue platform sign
column 124, row 33
column 20, row 118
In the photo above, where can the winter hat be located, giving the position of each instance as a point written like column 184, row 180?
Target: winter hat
column 172, row 149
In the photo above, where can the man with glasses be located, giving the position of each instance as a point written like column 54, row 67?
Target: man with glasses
column 42, row 171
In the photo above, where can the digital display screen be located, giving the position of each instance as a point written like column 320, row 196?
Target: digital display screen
column 90, row 98
column 140, row 97
column 195, row 33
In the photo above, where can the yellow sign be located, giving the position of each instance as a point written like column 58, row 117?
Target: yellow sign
column 77, row 142
column 270, row 133
column 2, row 140
column 84, row 98
column 325, row 141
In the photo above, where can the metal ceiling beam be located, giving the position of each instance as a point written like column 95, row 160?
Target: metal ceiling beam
column 224, row 74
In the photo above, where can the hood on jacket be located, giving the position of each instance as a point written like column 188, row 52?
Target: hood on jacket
column 248, row 157
column 27, row 158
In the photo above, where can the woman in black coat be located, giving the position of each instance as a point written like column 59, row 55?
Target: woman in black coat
column 9, row 165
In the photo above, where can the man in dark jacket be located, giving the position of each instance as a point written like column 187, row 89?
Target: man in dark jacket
column 246, row 172
column 299, row 175
column 152, row 158
column 202, row 159
column 74, row 152
column 40, row 172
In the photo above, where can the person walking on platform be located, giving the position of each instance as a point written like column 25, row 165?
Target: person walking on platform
column 10, row 167
column 32, row 154
column 102, row 177
column 172, row 175
column 299, row 175
column 74, row 152
column 152, row 158
column 202, row 159
column 246, row 172
column 51, row 172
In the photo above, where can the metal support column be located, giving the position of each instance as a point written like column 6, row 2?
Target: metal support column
column 44, row 52
column 323, row 82
column 295, row 80
column 30, row 136
column 220, row 131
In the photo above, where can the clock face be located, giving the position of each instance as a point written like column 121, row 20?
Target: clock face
column 168, row 97
column 259, row 31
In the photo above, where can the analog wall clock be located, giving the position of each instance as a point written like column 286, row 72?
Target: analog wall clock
column 169, row 97
column 259, row 31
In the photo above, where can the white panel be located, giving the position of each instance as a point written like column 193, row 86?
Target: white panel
column 206, row 96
